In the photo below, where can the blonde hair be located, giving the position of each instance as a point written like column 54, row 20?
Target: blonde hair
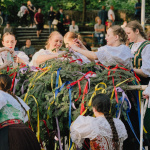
column 28, row 2
column 117, row 30
column 50, row 36
column 70, row 35
column 6, row 34
column 136, row 25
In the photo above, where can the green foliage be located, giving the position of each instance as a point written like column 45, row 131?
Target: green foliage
column 43, row 91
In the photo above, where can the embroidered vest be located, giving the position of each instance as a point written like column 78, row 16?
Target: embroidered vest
column 137, row 60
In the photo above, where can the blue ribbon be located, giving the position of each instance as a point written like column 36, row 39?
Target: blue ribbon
column 129, row 121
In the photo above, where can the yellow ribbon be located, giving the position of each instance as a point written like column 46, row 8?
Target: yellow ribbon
column 38, row 118
column 96, row 89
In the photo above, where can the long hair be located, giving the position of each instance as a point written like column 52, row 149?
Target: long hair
column 5, row 85
column 101, row 103
column 136, row 25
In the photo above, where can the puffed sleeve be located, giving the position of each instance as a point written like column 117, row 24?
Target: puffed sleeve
column 81, row 129
column 35, row 56
column 23, row 56
column 3, row 101
column 146, row 60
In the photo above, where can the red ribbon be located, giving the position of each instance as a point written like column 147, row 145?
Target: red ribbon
column 76, row 60
column 46, row 127
column 13, row 81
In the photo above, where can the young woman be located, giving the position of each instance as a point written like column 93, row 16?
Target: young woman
column 9, row 42
column 115, row 52
column 103, row 131
column 140, row 48
column 14, row 134
column 54, row 43
column 72, row 38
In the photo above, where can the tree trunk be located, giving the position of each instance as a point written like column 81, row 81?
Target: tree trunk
column 84, row 12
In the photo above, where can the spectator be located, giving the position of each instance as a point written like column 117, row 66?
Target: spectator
column 124, row 24
column 38, row 18
column 73, row 27
column 24, row 12
column 51, row 16
column 67, row 20
column 31, row 10
column 99, row 32
column 8, row 28
column 111, row 15
column 28, row 49
column 138, row 10
column 61, row 18
column 103, row 15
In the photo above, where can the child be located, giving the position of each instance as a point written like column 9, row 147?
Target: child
column 54, row 43
column 9, row 41
column 103, row 131
column 115, row 52
column 14, row 134
column 71, row 38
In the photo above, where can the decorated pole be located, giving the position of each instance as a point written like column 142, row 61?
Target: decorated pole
column 143, row 14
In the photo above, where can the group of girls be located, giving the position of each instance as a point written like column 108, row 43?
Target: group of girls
column 135, row 56
column 103, row 131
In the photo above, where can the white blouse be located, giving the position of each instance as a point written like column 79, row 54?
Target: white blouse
column 39, row 53
column 6, row 98
column 20, row 54
column 110, row 56
column 145, row 57
column 90, row 127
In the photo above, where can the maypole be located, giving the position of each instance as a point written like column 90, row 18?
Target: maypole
column 143, row 14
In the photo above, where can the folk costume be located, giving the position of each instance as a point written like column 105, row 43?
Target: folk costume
column 141, row 51
column 111, row 55
column 14, row 134
column 99, row 132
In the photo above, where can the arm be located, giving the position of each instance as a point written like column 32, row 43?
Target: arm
column 111, row 16
column 99, row 30
column 35, row 19
column 140, row 73
column 42, row 58
column 89, row 54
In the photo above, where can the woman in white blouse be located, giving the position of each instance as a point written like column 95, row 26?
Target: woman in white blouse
column 9, row 42
column 115, row 52
column 54, row 43
column 103, row 131
column 140, row 47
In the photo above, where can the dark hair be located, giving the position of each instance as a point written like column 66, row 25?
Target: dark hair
column 5, row 85
column 101, row 103
column 136, row 25
column 117, row 30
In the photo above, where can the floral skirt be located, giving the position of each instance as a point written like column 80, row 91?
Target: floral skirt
column 18, row 137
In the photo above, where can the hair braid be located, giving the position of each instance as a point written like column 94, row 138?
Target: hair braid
column 113, row 128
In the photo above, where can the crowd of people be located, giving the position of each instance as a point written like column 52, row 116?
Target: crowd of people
column 103, row 131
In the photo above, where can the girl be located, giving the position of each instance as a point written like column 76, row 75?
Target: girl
column 115, row 52
column 53, row 45
column 140, row 48
column 14, row 134
column 71, row 38
column 9, row 41
column 103, row 131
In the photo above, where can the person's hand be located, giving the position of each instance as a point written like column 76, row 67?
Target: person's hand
column 74, row 47
column 78, row 43
column 17, row 59
column 7, row 49
column 146, row 92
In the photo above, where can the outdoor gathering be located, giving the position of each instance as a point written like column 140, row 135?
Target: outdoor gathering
column 75, row 75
